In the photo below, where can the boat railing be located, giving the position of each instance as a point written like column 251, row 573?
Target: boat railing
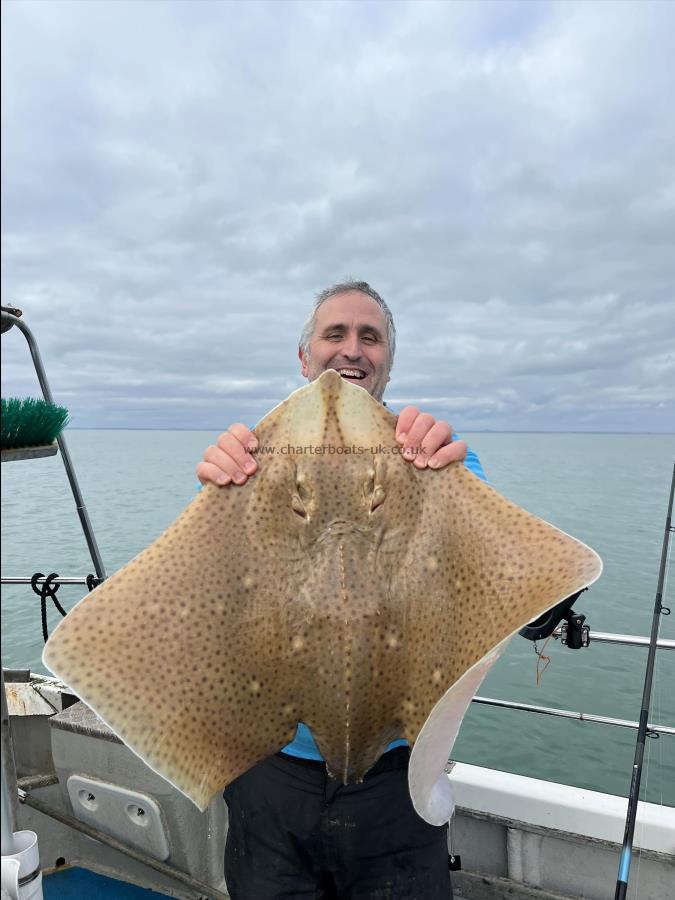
column 9, row 320
column 570, row 714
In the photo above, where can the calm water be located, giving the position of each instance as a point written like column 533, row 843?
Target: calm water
column 608, row 490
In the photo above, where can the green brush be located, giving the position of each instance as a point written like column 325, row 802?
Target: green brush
column 30, row 423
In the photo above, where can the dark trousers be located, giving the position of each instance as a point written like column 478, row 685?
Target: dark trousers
column 295, row 832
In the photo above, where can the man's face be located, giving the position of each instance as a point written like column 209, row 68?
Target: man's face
column 350, row 336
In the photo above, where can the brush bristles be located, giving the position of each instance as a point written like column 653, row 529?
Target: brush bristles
column 30, row 422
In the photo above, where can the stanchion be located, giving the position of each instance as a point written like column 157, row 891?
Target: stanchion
column 21, row 875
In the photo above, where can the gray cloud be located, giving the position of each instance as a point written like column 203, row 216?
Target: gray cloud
column 180, row 179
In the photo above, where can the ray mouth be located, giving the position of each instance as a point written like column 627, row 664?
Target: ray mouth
column 338, row 530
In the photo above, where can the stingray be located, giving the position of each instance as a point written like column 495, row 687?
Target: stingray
column 340, row 586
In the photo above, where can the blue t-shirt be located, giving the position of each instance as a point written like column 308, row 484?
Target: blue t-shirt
column 303, row 744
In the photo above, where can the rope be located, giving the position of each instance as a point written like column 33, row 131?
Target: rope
column 542, row 660
column 92, row 582
column 47, row 589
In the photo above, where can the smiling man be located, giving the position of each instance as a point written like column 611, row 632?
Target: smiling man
column 293, row 830
column 351, row 333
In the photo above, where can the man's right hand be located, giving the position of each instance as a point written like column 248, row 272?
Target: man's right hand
column 229, row 459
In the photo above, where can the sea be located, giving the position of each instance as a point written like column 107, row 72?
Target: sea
column 609, row 490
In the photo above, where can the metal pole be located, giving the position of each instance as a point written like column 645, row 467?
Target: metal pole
column 63, row 447
column 630, row 640
column 9, row 788
column 7, row 823
column 570, row 714
column 626, row 851
column 58, row 580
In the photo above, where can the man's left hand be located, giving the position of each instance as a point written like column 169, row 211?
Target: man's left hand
column 427, row 442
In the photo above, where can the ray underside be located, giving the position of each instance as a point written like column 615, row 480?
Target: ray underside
column 345, row 590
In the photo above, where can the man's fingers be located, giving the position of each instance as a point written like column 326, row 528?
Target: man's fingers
column 244, row 435
column 229, row 460
column 231, row 444
column 453, row 452
column 438, row 436
column 208, row 472
column 226, row 463
column 416, row 435
column 405, row 422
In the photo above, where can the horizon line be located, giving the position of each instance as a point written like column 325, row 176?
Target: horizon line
column 464, row 431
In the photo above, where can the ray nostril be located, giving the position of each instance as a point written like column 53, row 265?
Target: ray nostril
column 298, row 507
column 377, row 498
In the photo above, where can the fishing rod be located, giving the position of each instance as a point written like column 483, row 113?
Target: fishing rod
column 659, row 609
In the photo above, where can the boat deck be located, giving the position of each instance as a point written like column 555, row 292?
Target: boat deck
column 75, row 883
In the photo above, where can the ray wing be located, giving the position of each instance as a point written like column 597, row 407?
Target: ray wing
column 479, row 568
column 180, row 652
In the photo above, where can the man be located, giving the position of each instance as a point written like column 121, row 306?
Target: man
column 293, row 830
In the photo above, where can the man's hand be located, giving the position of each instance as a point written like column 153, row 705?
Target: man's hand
column 229, row 460
column 415, row 430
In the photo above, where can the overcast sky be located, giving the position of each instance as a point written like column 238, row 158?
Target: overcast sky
column 180, row 179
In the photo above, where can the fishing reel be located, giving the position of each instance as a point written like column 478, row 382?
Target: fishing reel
column 573, row 633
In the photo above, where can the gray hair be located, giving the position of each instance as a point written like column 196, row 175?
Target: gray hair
column 343, row 288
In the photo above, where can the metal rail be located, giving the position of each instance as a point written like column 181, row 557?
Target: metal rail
column 7, row 321
column 633, row 640
column 570, row 714
column 57, row 580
